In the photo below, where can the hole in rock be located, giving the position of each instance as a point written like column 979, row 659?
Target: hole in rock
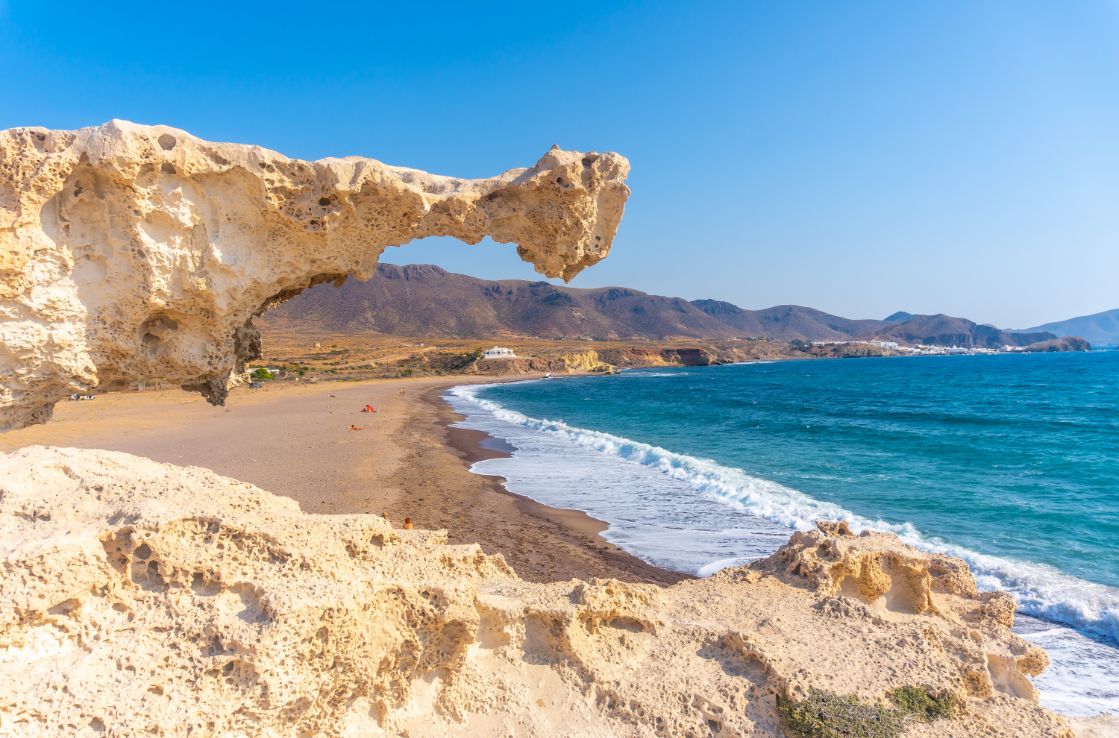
column 628, row 624
column 154, row 330
column 167, row 142
column 65, row 608
column 201, row 586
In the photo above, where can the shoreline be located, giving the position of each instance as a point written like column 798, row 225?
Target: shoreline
column 1058, row 672
column 1070, row 643
column 472, row 445
column 475, row 445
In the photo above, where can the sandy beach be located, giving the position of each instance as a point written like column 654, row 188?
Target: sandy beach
column 295, row 440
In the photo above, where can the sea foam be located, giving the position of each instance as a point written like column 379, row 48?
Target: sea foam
column 1041, row 590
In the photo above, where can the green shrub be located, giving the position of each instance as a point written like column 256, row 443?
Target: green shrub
column 829, row 715
column 923, row 704
column 261, row 373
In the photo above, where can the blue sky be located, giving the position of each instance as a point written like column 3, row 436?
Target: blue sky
column 858, row 157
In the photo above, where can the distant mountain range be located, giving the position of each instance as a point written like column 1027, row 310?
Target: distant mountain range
column 425, row 300
column 1101, row 329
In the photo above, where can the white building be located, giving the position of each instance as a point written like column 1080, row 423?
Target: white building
column 498, row 352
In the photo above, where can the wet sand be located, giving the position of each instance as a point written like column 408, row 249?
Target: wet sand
column 295, row 440
column 542, row 543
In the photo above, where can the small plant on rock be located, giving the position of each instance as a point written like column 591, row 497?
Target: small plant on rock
column 826, row 714
column 925, row 704
column 829, row 715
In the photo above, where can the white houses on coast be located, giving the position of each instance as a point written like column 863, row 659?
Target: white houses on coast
column 498, row 352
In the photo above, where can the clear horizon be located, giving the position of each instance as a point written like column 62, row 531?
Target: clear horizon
column 860, row 159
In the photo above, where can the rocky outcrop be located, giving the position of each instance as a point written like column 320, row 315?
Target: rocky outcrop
column 1066, row 343
column 890, row 578
column 141, row 253
column 605, row 361
column 147, row 599
column 571, row 362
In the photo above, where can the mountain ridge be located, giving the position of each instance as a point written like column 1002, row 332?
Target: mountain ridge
column 423, row 299
column 1099, row 329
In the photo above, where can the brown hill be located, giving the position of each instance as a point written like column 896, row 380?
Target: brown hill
column 787, row 322
column 944, row 330
column 424, row 300
column 1101, row 329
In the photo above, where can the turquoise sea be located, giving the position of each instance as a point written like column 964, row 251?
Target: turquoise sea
column 1008, row 461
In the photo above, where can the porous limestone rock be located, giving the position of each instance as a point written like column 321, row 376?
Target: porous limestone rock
column 140, row 598
column 891, row 579
column 133, row 253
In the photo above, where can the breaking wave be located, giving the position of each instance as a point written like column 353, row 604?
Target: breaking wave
column 1041, row 590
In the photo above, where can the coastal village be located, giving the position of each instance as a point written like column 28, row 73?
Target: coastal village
column 893, row 348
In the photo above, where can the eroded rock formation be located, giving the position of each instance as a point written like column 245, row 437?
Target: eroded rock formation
column 132, row 253
column 149, row 599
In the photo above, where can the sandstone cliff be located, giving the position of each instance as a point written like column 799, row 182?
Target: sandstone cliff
column 132, row 252
column 147, row 599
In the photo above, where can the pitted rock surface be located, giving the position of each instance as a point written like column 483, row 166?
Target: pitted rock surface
column 133, row 253
column 141, row 598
